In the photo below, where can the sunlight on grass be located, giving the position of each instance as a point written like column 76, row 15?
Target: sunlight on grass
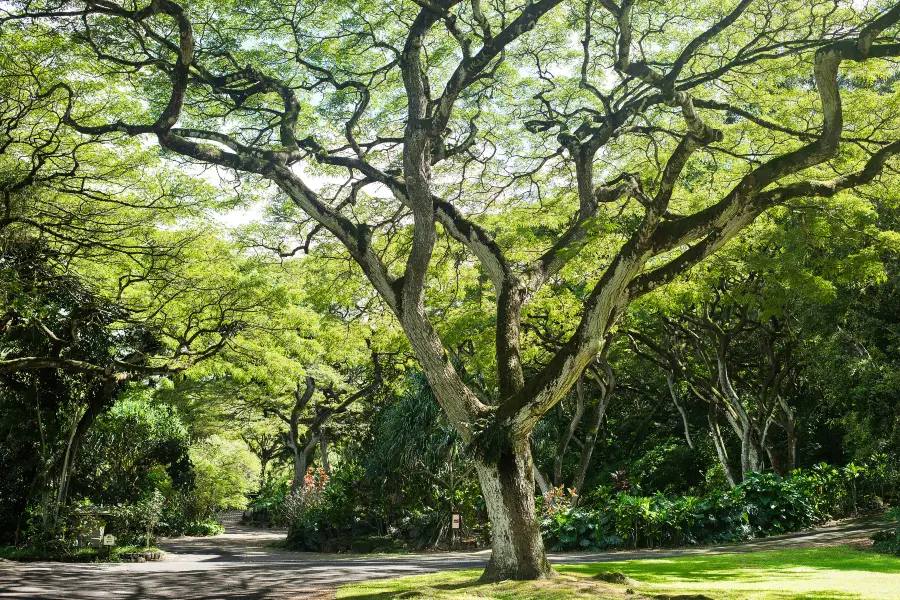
column 823, row 573
column 818, row 574
column 464, row 585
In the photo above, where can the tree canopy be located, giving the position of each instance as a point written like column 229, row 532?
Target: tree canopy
column 514, row 196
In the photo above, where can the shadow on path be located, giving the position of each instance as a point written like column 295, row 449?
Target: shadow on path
column 239, row 565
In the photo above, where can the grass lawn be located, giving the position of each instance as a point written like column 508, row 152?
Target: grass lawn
column 817, row 574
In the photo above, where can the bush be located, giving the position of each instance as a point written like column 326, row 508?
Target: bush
column 203, row 528
column 134, row 524
column 764, row 504
column 579, row 529
column 268, row 505
column 888, row 541
column 184, row 513
column 306, row 512
column 778, row 505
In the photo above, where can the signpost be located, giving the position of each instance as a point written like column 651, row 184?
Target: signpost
column 109, row 541
column 455, row 532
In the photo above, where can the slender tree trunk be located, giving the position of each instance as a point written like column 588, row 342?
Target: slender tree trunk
column 791, row 448
column 323, row 448
column 607, row 385
column 541, row 482
column 65, row 471
column 264, row 462
column 508, row 489
column 100, row 400
column 569, row 432
column 712, row 416
column 670, row 381
column 590, row 442
column 790, row 428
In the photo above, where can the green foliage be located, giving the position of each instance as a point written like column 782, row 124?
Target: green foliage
column 78, row 555
column 888, row 541
column 135, row 523
column 267, row 506
column 777, row 505
column 138, row 446
column 224, row 472
column 764, row 504
column 186, row 514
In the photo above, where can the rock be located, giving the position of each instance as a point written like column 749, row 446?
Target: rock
column 613, row 577
column 143, row 556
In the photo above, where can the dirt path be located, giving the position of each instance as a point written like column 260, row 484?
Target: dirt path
column 239, row 565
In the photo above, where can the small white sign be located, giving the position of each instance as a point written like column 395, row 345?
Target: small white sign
column 455, row 521
column 109, row 540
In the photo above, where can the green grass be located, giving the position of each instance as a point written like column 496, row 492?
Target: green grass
column 818, row 574
column 464, row 585
column 77, row 555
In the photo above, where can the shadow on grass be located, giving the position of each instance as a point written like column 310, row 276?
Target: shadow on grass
column 820, row 574
column 468, row 588
column 784, row 564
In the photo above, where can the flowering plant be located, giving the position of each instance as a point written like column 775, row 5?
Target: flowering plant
column 559, row 499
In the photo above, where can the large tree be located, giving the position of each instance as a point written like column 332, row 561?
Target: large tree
column 394, row 126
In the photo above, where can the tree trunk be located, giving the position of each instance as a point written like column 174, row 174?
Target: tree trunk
column 569, row 432
column 301, row 464
column 542, row 483
column 263, row 463
column 712, row 417
column 607, row 385
column 590, row 442
column 791, row 449
column 750, row 453
column 670, row 381
column 323, row 448
column 99, row 401
column 508, row 487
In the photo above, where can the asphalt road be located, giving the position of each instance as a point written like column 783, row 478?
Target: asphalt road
column 238, row 565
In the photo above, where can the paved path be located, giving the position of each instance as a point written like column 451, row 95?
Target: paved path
column 238, row 565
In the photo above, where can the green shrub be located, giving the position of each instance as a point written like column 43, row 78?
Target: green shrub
column 764, row 504
column 888, row 541
column 185, row 513
column 579, row 529
column 778, row 505
column 203, row 528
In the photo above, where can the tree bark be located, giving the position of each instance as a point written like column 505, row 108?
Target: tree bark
column 302, row 454
column 263, row 464
column 323, row 449
column 670, row 381
column 712, row 416
column 517, row 550
column 540, row 481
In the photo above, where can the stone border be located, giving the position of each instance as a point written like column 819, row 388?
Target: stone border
column 142, row 556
